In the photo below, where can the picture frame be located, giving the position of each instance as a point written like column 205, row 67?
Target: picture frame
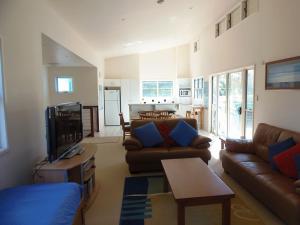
column 283, row 74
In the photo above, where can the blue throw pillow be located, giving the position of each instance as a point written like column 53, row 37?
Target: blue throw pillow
column 183, row 134
column 297, row 161
column 278, row 148
column 149, row 135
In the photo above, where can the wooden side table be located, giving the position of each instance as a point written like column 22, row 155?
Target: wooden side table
column 79, row 169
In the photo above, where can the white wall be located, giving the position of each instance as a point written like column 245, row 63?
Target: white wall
column 183, row 61
column 21, row 25
column 122, row 67
column 267, row 35
column 165, row 64
column 158, row 65
column 85, row 89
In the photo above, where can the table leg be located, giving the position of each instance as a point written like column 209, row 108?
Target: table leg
column 226, row 208
column 180, row 214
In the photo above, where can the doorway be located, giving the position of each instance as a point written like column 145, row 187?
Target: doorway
column 232, row 104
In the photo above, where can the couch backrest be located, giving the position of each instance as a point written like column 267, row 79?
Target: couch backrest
column 266, row 135
column 170, row 122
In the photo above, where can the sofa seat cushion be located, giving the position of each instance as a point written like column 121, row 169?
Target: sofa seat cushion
column 248, row 163
column 147, row 155
column 189, row 152
column 241, row 157
column 256, row 168
column 279, row 193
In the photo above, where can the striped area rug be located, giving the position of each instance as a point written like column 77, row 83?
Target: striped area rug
column 136, row 205
column 145, row 203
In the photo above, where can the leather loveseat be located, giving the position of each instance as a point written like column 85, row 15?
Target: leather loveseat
column 248, row 163
column 142, row 159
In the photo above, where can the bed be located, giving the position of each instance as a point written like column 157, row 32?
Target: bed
column 42, row 204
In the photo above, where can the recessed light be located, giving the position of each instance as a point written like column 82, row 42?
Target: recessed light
column 191, row 7
column 123, row 19
column 160, row 1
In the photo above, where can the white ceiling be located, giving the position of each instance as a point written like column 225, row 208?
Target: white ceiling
column 55, row 54
column 117, row 27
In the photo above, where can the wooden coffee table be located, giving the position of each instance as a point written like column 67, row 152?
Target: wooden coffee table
column 193, row 183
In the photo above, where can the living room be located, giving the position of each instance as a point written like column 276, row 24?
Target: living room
column 203, row 50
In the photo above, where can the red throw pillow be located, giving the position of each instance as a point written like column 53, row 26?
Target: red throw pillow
column 165, row 130
column 285, row 161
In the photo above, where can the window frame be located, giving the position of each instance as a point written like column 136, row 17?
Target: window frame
column 3, row 115
column 63, row 77
column 157, row 89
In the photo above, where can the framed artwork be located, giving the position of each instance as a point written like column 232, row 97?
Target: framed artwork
column 283, row 74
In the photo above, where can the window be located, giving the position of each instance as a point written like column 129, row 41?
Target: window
column 3, row 134
column 64, row 84
column 198, row 88
column 156, row 89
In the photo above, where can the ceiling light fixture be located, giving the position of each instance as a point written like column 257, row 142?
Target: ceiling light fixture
column 160, row 1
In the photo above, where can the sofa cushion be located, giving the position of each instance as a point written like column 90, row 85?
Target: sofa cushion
column 189, row 152
column 165, row 131
column 147, row 155
column 279, row 147
column 262, row 151
column 183, row 134
column 297, row 161
column 285, row 161
column 149, row 135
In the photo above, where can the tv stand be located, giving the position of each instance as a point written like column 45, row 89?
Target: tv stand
column 79, row 169
column 76, row 150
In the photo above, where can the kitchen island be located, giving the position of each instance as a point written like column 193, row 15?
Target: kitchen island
column 134, row 109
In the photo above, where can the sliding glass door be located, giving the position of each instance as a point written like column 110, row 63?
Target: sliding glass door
column 232, row 104
column 222, row 105
column 235, row 102
column 214, row 106
column 249, row 103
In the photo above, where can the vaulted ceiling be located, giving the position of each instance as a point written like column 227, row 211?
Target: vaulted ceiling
column 117, row 27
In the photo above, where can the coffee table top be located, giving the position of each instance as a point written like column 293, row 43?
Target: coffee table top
column 190, row 178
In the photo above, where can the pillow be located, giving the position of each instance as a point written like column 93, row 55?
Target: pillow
column 297, row 161
column 286, row 163
column 149, row 135
column 165, row 131
column 277, row 148
column 183, row 134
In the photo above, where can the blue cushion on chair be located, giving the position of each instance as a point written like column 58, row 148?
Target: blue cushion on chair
column 278, row 148
column 297, row 161
column 149, row 135
column 183, row 134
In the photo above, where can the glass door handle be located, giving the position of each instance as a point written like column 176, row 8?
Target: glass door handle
column 240, row 110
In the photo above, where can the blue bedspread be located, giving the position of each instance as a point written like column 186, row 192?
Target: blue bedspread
column 43, row 204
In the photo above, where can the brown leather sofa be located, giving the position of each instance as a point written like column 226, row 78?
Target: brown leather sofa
column 141, row 159
column 248, row 164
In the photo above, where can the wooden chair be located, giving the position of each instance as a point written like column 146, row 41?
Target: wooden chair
column 125, row 126
column 148, row 115
column 188, row 114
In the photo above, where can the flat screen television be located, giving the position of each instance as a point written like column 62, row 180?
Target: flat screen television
column 64, row 129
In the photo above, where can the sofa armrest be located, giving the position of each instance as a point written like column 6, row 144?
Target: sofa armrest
column 200, row 142
column 132, row 144
column 239, row 146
